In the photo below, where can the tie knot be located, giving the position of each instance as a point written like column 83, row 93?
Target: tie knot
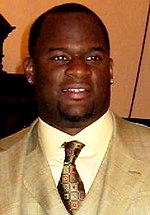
column 72, row 150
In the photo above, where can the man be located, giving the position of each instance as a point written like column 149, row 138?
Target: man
column 69, row 63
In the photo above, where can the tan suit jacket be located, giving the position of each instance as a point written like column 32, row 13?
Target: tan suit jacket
column 121, row 187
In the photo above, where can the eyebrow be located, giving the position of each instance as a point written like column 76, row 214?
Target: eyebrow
column 96, row 48
column 57, row 49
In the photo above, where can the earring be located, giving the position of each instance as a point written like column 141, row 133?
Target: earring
column 30, row 80
column 111, row 81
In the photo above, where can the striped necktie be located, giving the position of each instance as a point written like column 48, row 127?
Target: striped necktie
column 70, row 186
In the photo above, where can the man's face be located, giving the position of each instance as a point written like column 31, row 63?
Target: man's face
column 71, row 71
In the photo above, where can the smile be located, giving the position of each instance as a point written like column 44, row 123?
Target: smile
column 74, row 90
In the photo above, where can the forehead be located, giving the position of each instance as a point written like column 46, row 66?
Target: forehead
column 69, row 19
column 71, row 25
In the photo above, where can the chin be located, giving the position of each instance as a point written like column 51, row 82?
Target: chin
column 77, row 118
column 76, row 115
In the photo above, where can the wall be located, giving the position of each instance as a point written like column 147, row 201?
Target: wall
column 125, row 21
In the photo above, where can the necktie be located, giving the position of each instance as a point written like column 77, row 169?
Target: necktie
column 70, row 186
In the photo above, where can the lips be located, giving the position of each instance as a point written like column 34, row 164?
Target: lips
column 76, row 91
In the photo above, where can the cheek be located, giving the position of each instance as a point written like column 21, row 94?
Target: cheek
column 45, row 75
column 101, row 77
column 101, row 80
column 48, row 85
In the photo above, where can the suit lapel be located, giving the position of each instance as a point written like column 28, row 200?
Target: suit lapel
column 39, row 182
column 123, row 170
column 118, row 178
column 121, row 175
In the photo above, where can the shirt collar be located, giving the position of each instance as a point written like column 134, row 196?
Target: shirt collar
column 95, row 136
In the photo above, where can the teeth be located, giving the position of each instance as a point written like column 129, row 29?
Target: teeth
column 75, row 90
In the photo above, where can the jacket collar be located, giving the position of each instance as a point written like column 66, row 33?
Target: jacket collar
column 37, row 177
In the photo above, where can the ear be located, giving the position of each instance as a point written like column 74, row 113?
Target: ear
column 111, row 65
column 29, row 69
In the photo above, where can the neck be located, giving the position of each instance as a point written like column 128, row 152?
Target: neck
column 71, row 128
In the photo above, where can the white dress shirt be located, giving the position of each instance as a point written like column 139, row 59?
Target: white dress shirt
column 96, row 139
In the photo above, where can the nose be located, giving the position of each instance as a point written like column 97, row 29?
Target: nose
column 78, row 67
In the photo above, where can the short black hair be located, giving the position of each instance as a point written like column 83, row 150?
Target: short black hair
column 64, row 8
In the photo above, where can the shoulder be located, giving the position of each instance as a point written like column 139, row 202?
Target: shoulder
column 132, row 137
column 131, row 128
column 16, row 138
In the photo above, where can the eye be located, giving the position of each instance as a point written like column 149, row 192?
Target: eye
column 94, row 58
column 60, row 58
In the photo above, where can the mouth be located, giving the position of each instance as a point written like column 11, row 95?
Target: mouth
column 76, row 91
